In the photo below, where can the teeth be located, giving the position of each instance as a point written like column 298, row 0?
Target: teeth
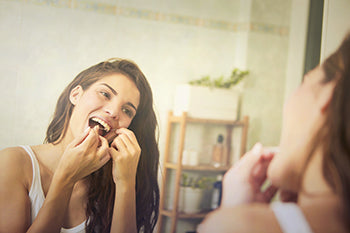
column 103, row 123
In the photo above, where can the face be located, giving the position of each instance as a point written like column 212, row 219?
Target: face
column 302, row 118
column 110, row 103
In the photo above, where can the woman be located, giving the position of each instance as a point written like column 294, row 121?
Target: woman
column 97, row 171
column 312, row 167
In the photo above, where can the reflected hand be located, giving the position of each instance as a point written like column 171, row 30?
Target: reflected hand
column 125, row 152
column 84, row 155
column 242, row 183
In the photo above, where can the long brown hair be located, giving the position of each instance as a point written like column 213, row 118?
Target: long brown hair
column 101, row 187
column 336, row 162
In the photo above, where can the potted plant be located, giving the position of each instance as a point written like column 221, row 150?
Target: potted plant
column 210, row 98
column 192, row 191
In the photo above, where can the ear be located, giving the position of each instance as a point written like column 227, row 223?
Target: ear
column 75, row 94
column 325, row 95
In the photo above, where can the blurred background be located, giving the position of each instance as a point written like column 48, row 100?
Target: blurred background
column 46, row 43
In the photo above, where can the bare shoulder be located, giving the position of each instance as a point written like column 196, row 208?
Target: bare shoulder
column 243, row 219
column 15, row 176
column 15, row 163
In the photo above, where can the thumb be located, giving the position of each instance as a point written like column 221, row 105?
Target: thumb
column 249, row 160
column 78, row 140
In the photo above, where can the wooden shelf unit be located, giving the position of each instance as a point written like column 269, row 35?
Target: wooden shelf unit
column 183, row 120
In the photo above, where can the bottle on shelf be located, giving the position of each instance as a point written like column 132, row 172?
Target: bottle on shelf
column 217, row 191
column 219, row 156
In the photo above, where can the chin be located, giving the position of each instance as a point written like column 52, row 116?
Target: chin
column 283, row 177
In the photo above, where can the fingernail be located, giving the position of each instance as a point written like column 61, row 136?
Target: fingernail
column 87, row 130
column 273, row 150
column 257, row 148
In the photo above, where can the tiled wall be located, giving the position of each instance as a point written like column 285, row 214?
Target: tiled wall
column 195, row 13
column 45, row 43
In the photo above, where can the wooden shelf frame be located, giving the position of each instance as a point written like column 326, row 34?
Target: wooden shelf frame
column 183, row 120
column 181, row 215
column 198, row 168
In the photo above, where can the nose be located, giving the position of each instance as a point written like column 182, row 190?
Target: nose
column 112, row 109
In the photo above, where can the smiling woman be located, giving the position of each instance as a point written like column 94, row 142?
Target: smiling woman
column 97, row 171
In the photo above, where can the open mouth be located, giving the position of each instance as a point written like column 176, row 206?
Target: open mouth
column 104, row 128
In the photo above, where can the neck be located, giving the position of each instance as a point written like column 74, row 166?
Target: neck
column 50, row 154
column 314, row 186
column 319, row 202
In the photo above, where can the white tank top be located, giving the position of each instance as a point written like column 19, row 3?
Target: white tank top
column 37, row 197
column 290, row 217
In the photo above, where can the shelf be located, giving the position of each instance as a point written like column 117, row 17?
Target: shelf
column 182, row 215
column 198, row 168
column 177, row 119
column 178, row 168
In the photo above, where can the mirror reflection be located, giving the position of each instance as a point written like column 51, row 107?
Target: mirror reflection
column 45, row 44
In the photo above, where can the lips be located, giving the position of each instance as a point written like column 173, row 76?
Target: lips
column 104, row 127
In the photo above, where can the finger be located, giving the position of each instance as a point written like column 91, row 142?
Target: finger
column 103, row 149
column 269, row 193
column 78, row 140
column 111, row 136
column 250, row 159
column 113, row 153
column 260, row 168
column 92, row 138
column 129, row 145
column 129, row 134
column 259, row 174
column 268, row 156
column 119, row 144
column 103, row 152
column 105, row 159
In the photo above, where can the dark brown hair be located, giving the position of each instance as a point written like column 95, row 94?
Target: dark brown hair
column 336, row 163
column 101, row 186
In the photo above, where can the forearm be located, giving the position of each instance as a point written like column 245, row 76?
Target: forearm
column 51, row 215
column 124, row 212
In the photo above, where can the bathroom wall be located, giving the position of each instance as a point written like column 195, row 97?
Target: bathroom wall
column 336, row 24
column 46, row 43
column 267, row 55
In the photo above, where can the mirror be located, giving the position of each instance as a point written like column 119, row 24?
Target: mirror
column 45, row 44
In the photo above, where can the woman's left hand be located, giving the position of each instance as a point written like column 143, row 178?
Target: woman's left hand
column 125, row 152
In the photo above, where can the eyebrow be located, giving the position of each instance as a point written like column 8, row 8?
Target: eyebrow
column 116, row 93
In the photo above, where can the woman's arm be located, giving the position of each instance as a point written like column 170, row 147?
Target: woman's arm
column 125, row 152
column 241, row 219
column 81, row 157
column 14, row 201
column 241, row 189
column 15, row 206
column 124, row 213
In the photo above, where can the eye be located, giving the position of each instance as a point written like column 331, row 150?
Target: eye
column 128, row 112
column 105, row 94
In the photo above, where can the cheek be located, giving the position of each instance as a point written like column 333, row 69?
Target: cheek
column 124, row 122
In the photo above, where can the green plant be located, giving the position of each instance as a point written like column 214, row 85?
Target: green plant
column 236, row 77
column 204, row 182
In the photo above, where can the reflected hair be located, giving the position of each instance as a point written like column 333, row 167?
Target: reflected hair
column 336, row 130
column 101, row 190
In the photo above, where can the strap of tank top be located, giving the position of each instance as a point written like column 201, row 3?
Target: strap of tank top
column 36, row 182
column 290, row 217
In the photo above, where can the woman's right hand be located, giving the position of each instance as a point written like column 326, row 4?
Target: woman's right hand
column 242, row 183
column 84, row 155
